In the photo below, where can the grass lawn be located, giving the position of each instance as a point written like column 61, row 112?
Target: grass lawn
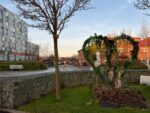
column 79, row 100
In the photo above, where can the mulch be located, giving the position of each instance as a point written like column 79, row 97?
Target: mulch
column 115, row 98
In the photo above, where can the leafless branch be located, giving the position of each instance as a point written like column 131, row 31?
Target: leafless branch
column 51, row 15
column 143, row 5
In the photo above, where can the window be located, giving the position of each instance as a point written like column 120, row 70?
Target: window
column 23, row 42
column 3, row 39
column 3, row 48
column 2, row 31
column 18, row 37
column 25, row 30
column 13, row 23
column 13, row 34
column 18, row 25
column 145, row 49
column 13, row 40
column 1, row 16
column 13, row 47
column 7, row 19
column 20, row 28
column 6, row 31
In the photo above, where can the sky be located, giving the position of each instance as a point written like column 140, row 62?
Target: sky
column 105, row 17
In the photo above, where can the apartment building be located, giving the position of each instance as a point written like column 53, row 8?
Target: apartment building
column 14, row 37
column 144, row 49
column 33, row 51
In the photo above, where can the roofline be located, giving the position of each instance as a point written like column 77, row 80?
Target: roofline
column 14, row 14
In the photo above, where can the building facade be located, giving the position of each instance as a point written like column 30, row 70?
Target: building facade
column 13, row 37
column 33, row 51
column 144, row 49
column 81, row 58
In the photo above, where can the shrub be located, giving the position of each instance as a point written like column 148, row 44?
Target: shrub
column 137, row 65
column 32, row 65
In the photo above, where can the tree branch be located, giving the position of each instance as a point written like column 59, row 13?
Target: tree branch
column 143, row 5
column 51, row 15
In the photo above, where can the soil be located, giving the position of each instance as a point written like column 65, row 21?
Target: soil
column 115, row 98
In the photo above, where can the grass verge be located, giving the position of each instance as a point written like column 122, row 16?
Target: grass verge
column 79, row 100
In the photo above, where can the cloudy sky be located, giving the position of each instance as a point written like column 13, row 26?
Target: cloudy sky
column 106, row 17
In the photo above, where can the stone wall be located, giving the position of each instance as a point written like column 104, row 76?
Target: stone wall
column 6, row 93
column 133, row 76
column 22, row 90
column 28, row 89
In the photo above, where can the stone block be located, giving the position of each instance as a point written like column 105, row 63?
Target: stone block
column 145, row 80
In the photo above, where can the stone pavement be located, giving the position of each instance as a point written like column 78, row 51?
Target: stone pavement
column 68, row 68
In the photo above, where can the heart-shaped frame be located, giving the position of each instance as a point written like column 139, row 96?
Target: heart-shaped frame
column 108, row 49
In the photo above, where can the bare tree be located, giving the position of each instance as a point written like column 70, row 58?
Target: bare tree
column 143, row 5
column 51, row 15
column 144, row 30
column 45, row 50
column 126, row 31
column 145, row 33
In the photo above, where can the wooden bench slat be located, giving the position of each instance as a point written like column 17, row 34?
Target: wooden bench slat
column 16, row 67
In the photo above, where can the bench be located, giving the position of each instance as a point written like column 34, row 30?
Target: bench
column 16, row 67
column 145, row 80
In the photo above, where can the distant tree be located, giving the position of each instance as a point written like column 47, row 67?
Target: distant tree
column 143, row 5
column 126, row 31
column 49, row 60
column 145, row 33
column 52, row 16
column 74, row 59
column 52, row 58
column 45, row 50
column 144, row 30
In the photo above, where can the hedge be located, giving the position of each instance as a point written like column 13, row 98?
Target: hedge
column 137, row 65
column 28, row 66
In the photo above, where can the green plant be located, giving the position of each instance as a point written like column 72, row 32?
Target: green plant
column 113, row 68
column 74, row 100
column 33, row 65
column 137, row 65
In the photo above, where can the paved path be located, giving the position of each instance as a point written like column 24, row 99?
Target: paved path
column 10, row 111
column 68, row 68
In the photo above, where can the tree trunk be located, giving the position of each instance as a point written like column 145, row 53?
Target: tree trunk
column 8, row 56
column 118, row 82
column 110, row 75
column 58, row 92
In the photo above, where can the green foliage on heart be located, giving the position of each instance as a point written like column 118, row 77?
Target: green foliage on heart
column 111, row 51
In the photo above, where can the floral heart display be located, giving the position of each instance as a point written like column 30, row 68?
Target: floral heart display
column 110, row 57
